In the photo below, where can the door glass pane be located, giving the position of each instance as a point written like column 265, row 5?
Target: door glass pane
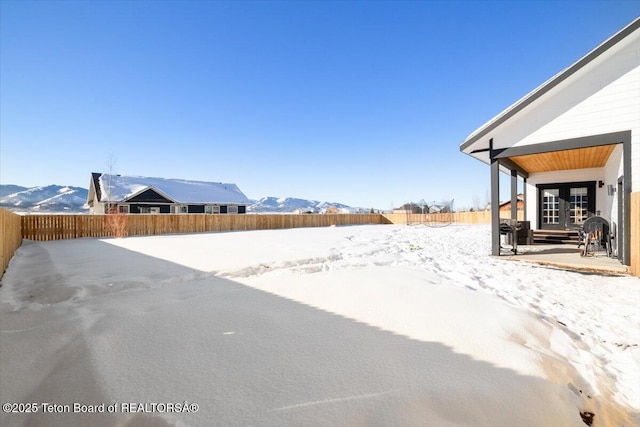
column 578, row 209
column 551, row 206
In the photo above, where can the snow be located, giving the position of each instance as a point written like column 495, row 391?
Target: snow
column 484, row 341
column 119, row 187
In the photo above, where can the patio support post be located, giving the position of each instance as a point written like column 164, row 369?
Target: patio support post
column 524, row 198
column 514, row 194
column 626, row 199
column 495, row 202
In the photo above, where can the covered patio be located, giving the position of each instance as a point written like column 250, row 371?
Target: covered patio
column 590, row 155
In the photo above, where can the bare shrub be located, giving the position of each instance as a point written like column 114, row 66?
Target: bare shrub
column 117, row 223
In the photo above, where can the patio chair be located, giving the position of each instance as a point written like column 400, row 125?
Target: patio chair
column 595, row 236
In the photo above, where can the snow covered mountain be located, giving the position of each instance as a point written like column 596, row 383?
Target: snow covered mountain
column 5, row 190
column 50, row 198
column 293, row 205
column 56, row 198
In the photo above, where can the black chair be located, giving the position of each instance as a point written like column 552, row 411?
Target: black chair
column 596, row 236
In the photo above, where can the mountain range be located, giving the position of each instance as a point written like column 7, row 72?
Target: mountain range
column 294, row 205
column 67, row 199
column 50, row 198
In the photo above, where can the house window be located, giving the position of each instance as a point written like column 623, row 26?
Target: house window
column 211, row 209
column 123, row 209
column 144, row 210
column 551, row 206
column 578, row 205
column 232, row 209
column 181, row 209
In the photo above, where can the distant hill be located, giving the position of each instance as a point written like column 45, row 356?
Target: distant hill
column 5, row 190
column 57, row 198
column 50, row 198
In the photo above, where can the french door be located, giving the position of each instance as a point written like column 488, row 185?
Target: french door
column 565, row 206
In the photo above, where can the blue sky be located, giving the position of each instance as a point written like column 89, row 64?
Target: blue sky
column 360, row 102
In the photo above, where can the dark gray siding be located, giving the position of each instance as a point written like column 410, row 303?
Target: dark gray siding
column 149, row 196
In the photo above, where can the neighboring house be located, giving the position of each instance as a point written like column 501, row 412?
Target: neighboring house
column 411, row 208
column 423, row 208
column 575, row 141
column 143, row 195
column 443, row 208
column 506, row 206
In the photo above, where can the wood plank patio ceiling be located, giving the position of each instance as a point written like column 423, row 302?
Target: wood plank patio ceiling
column 579, row 158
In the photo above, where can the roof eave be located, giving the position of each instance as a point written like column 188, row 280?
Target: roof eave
column 548, row 85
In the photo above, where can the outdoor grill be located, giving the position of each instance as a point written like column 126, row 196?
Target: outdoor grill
column 509, row 228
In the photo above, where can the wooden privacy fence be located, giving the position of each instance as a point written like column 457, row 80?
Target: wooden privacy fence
column 57, row 227
column 10, row 237
column 478, row 217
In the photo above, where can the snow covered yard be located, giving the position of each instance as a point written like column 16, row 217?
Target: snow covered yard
column 363, row 325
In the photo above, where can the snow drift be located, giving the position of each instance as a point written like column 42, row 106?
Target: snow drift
column 383, row 325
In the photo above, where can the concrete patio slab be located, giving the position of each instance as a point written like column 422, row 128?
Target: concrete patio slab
column 567, row 257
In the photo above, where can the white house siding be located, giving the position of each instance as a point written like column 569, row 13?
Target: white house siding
column 602, row 97
column 98, row 208
column 614, row 108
